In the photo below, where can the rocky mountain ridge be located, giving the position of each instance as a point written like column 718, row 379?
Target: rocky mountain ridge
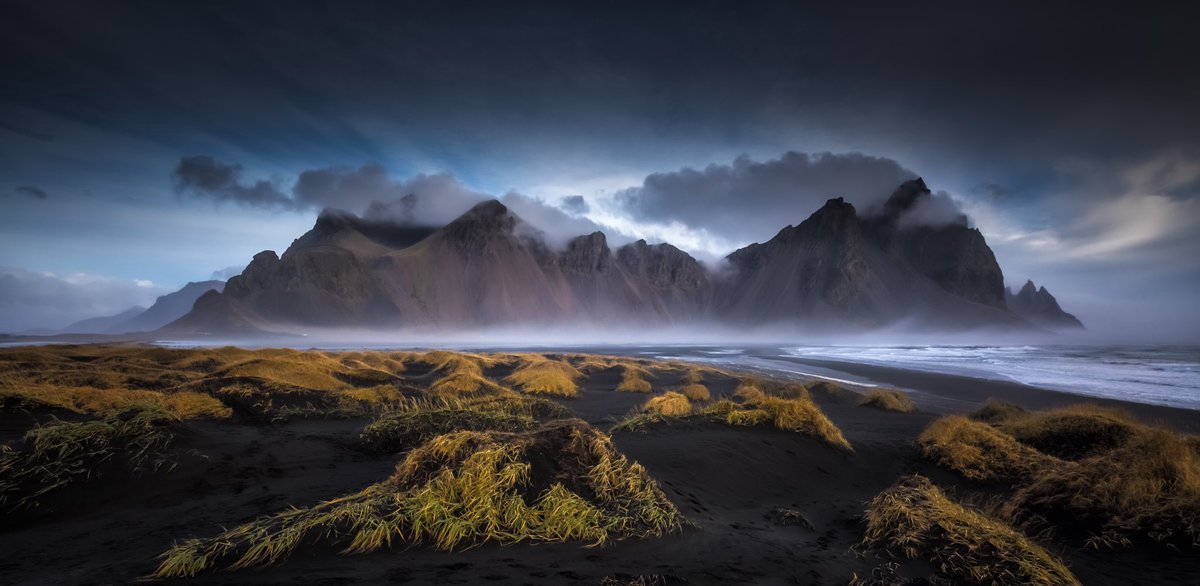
column 489, row 268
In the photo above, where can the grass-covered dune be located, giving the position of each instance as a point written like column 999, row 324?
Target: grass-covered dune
column 225, row 465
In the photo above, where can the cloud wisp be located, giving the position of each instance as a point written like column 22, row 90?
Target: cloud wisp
column 30, row 300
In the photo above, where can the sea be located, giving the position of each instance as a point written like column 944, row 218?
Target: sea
column 1156, row 375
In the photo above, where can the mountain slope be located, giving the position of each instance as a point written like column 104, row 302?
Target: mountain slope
column 167, row 308
column 489, row 268
column 103, row 324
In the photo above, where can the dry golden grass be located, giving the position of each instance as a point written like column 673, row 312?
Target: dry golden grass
column 978, row 451
column 1072, row 432
column 635, row 379
column 1084, row 474
column 461, row 489
column 538, row 375
column 1146, row 490
column 695, row 392
column 749, row 392
column 798, row 415
column 60, row 454
column 997, row 411
column 913, row 519
column 888, row 400
column 106, row 402
column 669, row 404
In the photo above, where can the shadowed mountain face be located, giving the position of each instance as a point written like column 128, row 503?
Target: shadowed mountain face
column 489, row 268
column 1040, row 307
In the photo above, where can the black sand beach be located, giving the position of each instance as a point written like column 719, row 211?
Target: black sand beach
column 726, row 480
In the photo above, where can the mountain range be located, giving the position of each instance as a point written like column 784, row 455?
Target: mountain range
column 166, row 309
column 839, row 268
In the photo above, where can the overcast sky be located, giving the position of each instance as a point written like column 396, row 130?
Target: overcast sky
column 147, row 144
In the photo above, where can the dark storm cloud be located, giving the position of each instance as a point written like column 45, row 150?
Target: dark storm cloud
column 750, row 201
column 204, row 176
column 955, row 82
column 31, row 191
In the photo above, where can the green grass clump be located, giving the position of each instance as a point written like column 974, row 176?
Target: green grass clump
column 402, row 430
column 888, row 401
column 913, row 519
column 540, row 375
column 978, row 451
column 461, row 489
column 61, row 454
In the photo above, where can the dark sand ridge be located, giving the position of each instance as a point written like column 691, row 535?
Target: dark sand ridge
column 725, row 479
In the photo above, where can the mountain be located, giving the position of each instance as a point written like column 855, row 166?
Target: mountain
column 837, row 267
column 170, row 307
column 891, row 265
column 1040, row 307
column 103, row 324
column 166, row 309
column 485, row 268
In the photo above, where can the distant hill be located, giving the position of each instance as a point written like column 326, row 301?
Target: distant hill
column 104, row 324
column 166, row 309
column 838, row 268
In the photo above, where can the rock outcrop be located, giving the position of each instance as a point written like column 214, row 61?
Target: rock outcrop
column 1040, row 307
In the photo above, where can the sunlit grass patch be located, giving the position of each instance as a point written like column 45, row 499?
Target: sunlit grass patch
column 635, row 379
column 106, row 402
column 461, row 489
column 888, row 400
column 669, row 404
column 539, row 375
column 798, row 415
column 978, row 451
column 695, row 392
column 60, row 454
column 459, row 374
column 913, row 519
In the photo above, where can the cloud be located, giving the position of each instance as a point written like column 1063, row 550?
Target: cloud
column 575, row 204
column 31, row 191
column 226, row 273
column 750, row 201
column 204, row 176
column 369, row 190
column 31, row 300
column 938, row 209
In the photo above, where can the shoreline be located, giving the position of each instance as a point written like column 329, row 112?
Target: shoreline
column 952, row 393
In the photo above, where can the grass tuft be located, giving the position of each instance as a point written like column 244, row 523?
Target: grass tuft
column 461, row 489
column 888, row 400
column 669, row 404
column 978, row 451
column 913, row 519
column 61, row 454
column 539, row 375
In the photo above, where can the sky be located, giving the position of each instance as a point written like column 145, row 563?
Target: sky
column 147, row 144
